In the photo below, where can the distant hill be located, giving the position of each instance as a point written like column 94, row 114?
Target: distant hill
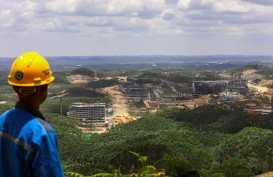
column 214, row 61
column 154, row 59
column 83, row 71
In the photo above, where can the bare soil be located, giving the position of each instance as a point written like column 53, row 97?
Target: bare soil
column 120, row 107
column 268, row 174
column 78, row 79
column 250, row 71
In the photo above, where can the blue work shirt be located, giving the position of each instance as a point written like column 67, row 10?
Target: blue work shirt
column 28, row 146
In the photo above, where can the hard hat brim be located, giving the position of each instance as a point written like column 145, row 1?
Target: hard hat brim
column 51, row 79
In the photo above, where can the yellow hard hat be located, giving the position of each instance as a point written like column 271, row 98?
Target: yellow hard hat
column 30, row 69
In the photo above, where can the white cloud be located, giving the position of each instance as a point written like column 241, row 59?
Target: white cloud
column 6, row 20
column 141, row 19
column 261, row 2
column 183, row 4
column 227, row 5
column 24, row 6
column 105, row 7
column 168, row 14
column 121, row 7
column 118, row 15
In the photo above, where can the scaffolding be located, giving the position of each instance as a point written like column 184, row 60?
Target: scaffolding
column 88, row 113
column 239, row 86
column 208, row 87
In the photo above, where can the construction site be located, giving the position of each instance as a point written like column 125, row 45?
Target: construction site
column 131, row 100
column 256, row 98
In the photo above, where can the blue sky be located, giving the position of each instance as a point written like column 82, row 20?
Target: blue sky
column 136, row 27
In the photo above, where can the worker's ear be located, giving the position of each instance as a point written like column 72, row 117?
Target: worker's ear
column 16, row 88
column 44, row 88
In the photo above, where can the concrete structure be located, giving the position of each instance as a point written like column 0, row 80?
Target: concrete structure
column 137, row 91
column 239, row 86
column 259, row 110
column 208, row 87
column 88, row 113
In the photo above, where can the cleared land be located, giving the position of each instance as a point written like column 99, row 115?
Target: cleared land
column 120, row 108
column 262, row 86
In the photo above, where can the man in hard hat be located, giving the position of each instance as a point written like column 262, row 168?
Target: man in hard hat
column 28, row 144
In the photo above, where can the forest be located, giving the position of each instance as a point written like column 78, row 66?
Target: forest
column 206, row 141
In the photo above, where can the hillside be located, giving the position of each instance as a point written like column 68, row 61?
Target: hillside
column 212, row 140
column 259, row 78
column 209, row 141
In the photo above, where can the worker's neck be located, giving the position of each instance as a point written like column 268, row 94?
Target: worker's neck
column 30, row 102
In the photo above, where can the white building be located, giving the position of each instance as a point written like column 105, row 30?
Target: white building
column 88, row 113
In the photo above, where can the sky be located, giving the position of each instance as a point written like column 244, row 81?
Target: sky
column 136, row 27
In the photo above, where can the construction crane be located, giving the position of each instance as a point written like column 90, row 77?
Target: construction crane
column 61, row 95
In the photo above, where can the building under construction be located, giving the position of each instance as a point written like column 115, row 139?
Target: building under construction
column 208, row 87
column 88, row 113
column 239, row 86
column 137, row 91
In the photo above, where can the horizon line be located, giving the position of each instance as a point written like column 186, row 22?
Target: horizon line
column 153, row 55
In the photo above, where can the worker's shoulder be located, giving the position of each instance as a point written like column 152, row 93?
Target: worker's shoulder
column 15, row 112
column 4, row 114
column 27, row 120
column 37, row 125
column 45, row 125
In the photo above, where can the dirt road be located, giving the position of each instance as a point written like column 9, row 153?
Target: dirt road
column 260, row 89
column 269, row 174
column 119, row 100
